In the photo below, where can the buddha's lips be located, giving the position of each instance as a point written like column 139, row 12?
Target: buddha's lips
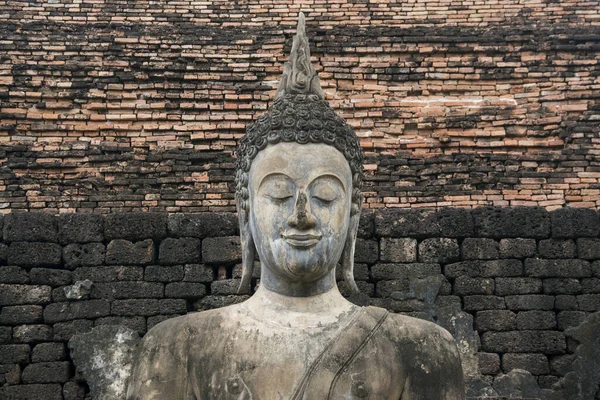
column 301, row 239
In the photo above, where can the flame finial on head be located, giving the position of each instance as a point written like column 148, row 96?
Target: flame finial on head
column 299, row 76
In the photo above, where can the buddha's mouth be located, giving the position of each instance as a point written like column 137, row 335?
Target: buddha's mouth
column 301, row 240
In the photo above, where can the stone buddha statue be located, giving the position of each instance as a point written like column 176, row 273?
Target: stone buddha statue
column 299, row 174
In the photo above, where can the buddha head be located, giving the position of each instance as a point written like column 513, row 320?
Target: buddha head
column 298, row 179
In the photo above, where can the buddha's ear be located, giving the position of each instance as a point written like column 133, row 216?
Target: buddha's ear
column 348, row 253
column 248, row 250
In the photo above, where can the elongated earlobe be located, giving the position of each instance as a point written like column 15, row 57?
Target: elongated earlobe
column 348, row 253
column 248, row 251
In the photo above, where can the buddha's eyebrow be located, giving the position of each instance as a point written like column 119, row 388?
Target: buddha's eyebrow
column 328, row 176
column 273, row 176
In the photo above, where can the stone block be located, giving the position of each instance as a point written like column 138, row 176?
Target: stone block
column 136, row 323
column 398, row 250
column 64, row 331
column 403, row 271
column 439, row 250
column 135, row 226
column 185, row 250
column 501, row 268
column 361, row 272
column 202, row 225
column 489, row 363
column 199, row 273
column 562, row 364
column 517, row 222
column 495, row 320
column 3, row 254
column 568, row 319
column 507, row 286
column 557, row 248
column 479, row 302
column 575, row 222
column 172, row 306
column 529, row 302
column 221, row 250
column 387, row 288
column 34, row 254
column 163, row 273
column 455, row 222
column 133, row 307
column 479, row 249
column 59, row 312
column 596, row 269
column 127, row 290
column 14, row 353
column 224, row 287
column 185, row 290
column 17, row 315
column 30, row 392
column 535, row 363
column 562, row 286
column 463, row 268
column 587, row 248
column 83, row 255
column 548, row 342
column 80, row 228
column 121, row 251
column 50, row 277
column 5, row 334
column 366, row 251
column 566, row 302
column 536, row 320
column 464, row 285
column 557, row 268
column 109, row 274
column 517, row 248
column 392, row 222
column 13, row 274
column 24, row 294
column 589, row 302
column 590, row 285
column 32, row 333
column 366, row 224
column 30, row 227
column 48, row 352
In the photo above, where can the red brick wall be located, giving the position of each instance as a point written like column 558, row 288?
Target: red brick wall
column 136, row 106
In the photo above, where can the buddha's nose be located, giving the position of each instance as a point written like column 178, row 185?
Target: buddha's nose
column 302, row 217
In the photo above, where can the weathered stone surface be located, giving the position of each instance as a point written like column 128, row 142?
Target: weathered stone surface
column 495, row 320
column 455, row 222
column 74, row 391
column 557, row 268
column 13, row 274
column 536, row 320
column 589, row 302
column 202, row 225
column 588, row 248
column 185, row 250
column 104, row 358
column 58, row 312
column 164, row 273
column 30, row 227
column 501, row 268
column 398, row 250
column 16, row 315
column 171, row 306
column 201, row 273
column 562, row 286
column 34, row 254
column 51, row 277
column 440, row 250
column 518, row 222
column 479, row 249
column 403, row 271
column 557, row 248
column 561, row 365
column 127, row 290
column 78, row 290
column 366, row 251
column 128, row 253
column 575, row 222
column 482, row 302
column 507, row 286
column 590, row 285
column 28, row 392
column 366, row 224
column 32, row 333
column 47, row 372
column 536, row 364
column 135, row 323
column 567, row 319
column 109, row 274
column 3, row 253
column 187, row 290
column 84, row 255
column 24, row 294
column 489, row 363
column 145, row 307
column 63, row 331
column 548, row 342
column 210, row 302
column 48, row 352
column 566, row 302
column 14, row 353
column 406, row 223
column 464, row 285
column 225, row 287
column 80, row 228
column 519, row 384
column 135, row 227
column 224, row 250
column 517, row 248
column 530, row 302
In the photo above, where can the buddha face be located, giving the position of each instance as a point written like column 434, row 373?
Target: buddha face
column 300, row 198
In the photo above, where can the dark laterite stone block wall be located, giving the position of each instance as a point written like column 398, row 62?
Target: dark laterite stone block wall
column 525, row 275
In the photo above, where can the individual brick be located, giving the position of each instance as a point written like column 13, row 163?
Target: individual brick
column 489, row 363
column 28, row 392
column 517, row 248
column 566, row 302
column 3, row 254
column 64, row 331
column 59, row 312
column 221, row 250
column 5, row 334
column 536, row 320
column 507, row 286
column 568, row 319
column 463, row 268
column 479, row 249
column 185, row 290
column 441, row 250
column 83, row 255
column 501, row 268
column 495, row 320
column 135, row 226
column 575, row 222
column 24, row 294
column 547, row 342
column 535, row 363
column 589, row 302
column 14, row 353
column 590, row 285
column 398, row 250
column 164, row 273
column 48, row 352
column 202, row 225
column 34, row 254
column 562, row 364
column 557, row 268
column 225, row 287
column 199, row 273
column 136, row 323
column 30, row 227
column 596, row 269
column 516, row 222
column 185, row 250
column 109, row 274
column 366, row 251
column 403, row 271
column 17, row 315
column 32, row 333
column 529, row 302
column 172, row 306
column 587, row 248
column 134, row 307
column 127, row 290
column 49, row 372
column 125, row 252
column 391, row 222
column 479, row 302
column 366, row 224
column 13, row 274
column 455, row 222
column 557, row 248
column 464, row 285
column 562, row 286
column 80, row 228
column 50, row 277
